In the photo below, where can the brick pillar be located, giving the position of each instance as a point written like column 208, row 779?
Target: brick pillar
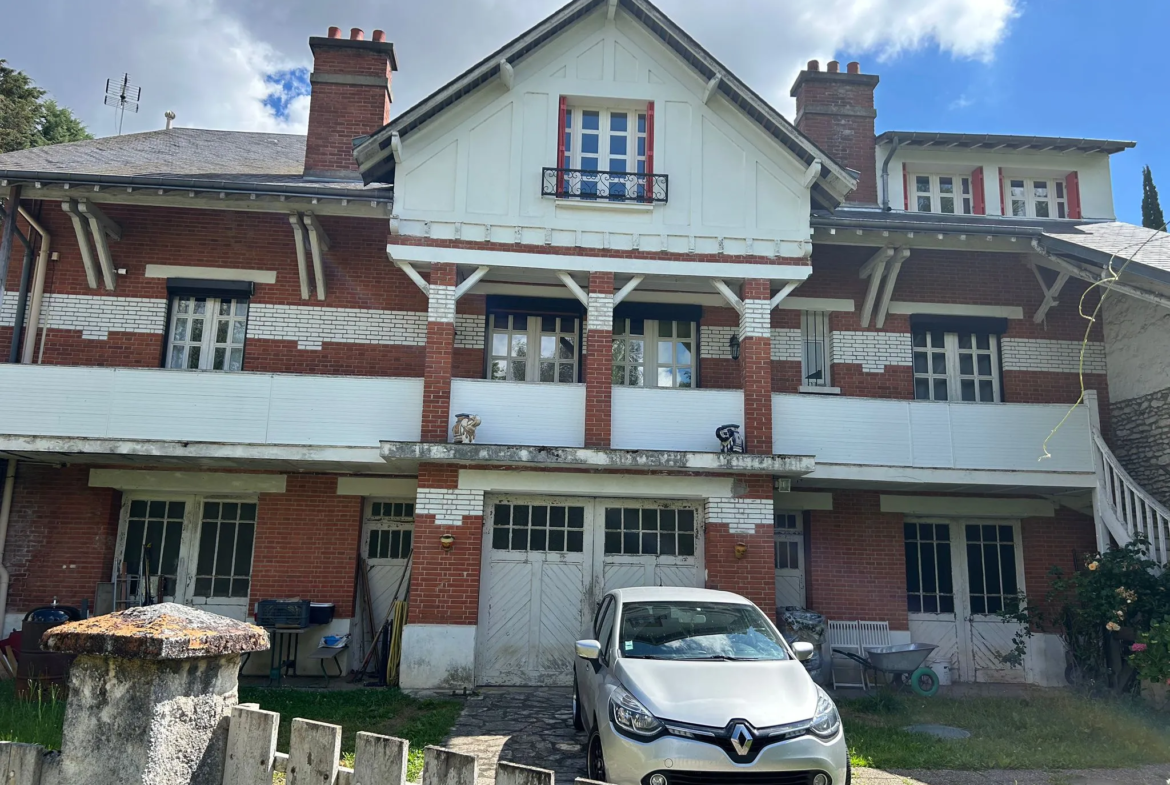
column 440, row 351
column 745, row 521
column 438, row 644
column 755, row 358
column 599, row 362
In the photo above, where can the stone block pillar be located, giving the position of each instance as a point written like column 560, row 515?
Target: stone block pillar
column 755, row 358
column 436, row 414
column 150, row 695
column 599, row 362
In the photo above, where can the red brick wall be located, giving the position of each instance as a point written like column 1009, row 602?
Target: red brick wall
column 857, row 561
column 599, row 373
column 339, row 113
column 754, row 575
column 444, row 584
column 1062, row 541
column 61, row 536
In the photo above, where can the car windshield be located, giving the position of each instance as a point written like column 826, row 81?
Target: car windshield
column 697, row 631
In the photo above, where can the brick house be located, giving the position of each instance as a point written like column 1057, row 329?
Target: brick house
column 238, row 357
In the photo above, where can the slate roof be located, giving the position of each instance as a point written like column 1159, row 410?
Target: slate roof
column 1098, row 242
column 1059, row 144
column 181, row 157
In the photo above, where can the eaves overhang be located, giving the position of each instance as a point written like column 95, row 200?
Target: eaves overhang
column 676, row 461
column 997, row 142
column 1101, row 260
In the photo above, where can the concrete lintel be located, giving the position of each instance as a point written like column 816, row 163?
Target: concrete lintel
column 641, row 486
column 405, row 487
column 803, row 500
column 186, row 482
column 968, row 506
column 585, row 458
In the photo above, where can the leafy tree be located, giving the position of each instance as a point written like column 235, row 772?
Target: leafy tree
column 1152, row 217
column 28, row 119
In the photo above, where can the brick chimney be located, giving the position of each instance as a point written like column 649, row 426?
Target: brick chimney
column 350, row 98
column 835, row 110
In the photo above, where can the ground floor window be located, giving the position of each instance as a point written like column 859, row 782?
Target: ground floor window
column 533, row 348
column 649, row 531
column 653, row 353
column 929, row 584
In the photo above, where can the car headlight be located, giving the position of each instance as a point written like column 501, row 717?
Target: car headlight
column 826, row 721
column 631, row 716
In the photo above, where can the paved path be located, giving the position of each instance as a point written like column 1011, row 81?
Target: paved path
column 535, row 727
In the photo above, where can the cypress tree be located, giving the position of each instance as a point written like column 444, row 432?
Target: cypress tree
column 1152, row 217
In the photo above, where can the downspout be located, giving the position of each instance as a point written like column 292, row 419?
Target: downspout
column 21, row 303
column 38, row 287
column 886, row 174
column 5, row 513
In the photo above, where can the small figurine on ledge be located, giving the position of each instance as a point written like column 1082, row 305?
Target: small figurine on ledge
column 464, row 428
column 730, row 439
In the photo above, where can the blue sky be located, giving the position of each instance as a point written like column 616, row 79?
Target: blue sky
column 1075, row 68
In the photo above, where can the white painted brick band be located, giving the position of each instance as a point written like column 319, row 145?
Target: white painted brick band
column 756, row 319
column 1041, row 354
column 714, row 342
column 310, row 326
column 448, row 506
column 441, row 304
column 786, row 344
column 95, row 316
column 741, row 516
column 600, row 311
column 469, row 331
column 872, row 350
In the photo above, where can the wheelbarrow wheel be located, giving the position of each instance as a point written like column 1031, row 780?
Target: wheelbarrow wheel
column 924, row 682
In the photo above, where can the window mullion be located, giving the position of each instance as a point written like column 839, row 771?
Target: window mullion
column 951, row 341
column 650, row 351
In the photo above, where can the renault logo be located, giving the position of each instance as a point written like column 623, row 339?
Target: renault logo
column 741, row 739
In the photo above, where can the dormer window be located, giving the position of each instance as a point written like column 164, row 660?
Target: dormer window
column 1033, row 197
column 941, row 193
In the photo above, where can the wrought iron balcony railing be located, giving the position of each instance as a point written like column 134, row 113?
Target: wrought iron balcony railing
column 604, row 186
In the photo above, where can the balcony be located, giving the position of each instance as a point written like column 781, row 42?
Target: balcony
column 518, row 413
column 591, row 185
column 875, row 439
column 646, row 418
column 185, row 406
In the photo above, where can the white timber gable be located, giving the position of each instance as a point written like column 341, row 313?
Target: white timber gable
column 474, row 172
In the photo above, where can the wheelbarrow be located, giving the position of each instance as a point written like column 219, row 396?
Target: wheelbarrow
column 901, row 664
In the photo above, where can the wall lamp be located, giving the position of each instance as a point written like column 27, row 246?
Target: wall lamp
column 733, row 345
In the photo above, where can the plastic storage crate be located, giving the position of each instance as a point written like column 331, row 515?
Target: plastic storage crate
column 283, row 613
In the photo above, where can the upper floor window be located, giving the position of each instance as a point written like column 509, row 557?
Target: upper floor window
column 956, row 366
column 941, row 193
column 814, row 354
column 605, row 153
column 653, row 353
column 207, row 333
column 1031, row 197
column 533, row 348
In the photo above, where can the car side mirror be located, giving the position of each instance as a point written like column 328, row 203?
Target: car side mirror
column 802, row 649
column 588, row 650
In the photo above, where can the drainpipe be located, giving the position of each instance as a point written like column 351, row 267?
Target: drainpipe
column 5, row 513
column 886, row 174
column 38, row 287
column 21, row 303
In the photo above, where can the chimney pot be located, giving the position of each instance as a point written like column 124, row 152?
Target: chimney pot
column 814, row 65
column 335, row 32
column 357, row 34
column 854, row 67
column 380, row 36
column 834, row 66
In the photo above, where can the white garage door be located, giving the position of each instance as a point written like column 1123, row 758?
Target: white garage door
column 548, row 561
column 387, row 534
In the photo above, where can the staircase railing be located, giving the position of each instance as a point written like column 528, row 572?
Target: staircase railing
column 1125, row 509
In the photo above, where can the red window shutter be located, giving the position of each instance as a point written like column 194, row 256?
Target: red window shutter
column 905, row 186
column 561, row 144
column 978, row 205
column 650, row 151
column 1003, row 208
column 1072, row 188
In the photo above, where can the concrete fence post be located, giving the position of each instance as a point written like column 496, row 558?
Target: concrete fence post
column 313, row 752
column 447, row 767
column 251, row 746
column 515, row 774
column 379, row 760
column 150, row 695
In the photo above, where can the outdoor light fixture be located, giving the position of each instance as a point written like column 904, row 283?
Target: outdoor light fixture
column 820, row 779
column 447, row 542
column 733, row 344
column 740, row 550
column 657, row 779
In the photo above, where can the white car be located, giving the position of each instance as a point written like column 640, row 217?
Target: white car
column 697, row 687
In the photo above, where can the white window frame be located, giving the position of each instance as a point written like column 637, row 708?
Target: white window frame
column 954, row 374
column 815, row 348
column 1023, row 199
column 651, row 364
column 387, row 523
column 634, row 159
column 183, row 325
column 534, row 333
column 964, row 201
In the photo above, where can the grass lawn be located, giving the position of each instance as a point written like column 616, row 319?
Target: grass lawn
column 1047, row 730
column 385, row 711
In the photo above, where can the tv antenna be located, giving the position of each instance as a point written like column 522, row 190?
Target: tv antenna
column 122, row 95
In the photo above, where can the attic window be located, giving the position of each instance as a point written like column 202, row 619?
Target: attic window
column 941, row 193
column 605, row 153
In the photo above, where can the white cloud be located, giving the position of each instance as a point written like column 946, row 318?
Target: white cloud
column 962, row 102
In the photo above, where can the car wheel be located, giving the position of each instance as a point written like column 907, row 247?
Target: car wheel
column 595, row 758
column 578, row 722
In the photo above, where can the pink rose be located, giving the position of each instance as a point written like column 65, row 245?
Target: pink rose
column 1138, row 647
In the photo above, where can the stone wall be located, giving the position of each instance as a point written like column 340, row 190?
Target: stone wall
column 1141, row 441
